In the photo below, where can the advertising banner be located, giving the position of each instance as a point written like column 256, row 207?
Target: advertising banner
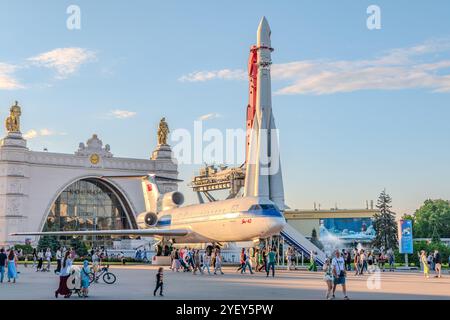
column 405, row 237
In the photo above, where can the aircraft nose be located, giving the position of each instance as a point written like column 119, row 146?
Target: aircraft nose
column 276, row 225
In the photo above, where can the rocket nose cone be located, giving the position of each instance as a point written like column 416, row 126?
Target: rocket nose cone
column 264, row 22
column 263, row 34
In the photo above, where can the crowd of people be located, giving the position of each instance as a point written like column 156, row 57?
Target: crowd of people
column 211, row 260
column 368, row 260
column 432, row 261
column 42, row 260
column 8, row 265
column 360, row 260
column 264, row 258
column 191, row 260
column 342, row 261
column 335, row 268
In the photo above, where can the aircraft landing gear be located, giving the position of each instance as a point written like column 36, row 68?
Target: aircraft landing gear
column 213, row 246
column 163, row 247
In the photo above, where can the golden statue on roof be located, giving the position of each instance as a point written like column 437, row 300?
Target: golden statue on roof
column 163, row 132
column 12, row 123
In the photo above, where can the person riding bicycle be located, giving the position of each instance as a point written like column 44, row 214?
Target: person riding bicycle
column 104, row 273
column 95, row 264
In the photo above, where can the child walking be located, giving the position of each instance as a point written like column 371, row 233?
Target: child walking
column 85, row 280
column 159, row 282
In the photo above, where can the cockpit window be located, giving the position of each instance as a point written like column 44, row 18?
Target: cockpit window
column 255, row 207
column 263, row 207
column 265, row 210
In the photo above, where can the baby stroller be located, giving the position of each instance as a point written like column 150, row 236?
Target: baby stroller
column 74, row 281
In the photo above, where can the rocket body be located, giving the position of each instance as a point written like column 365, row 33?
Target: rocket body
column 263, row 169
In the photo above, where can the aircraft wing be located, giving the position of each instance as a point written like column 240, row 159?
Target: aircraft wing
column 129, row 232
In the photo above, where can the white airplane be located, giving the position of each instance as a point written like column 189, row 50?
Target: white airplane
column 251, row 217
column 239, row 219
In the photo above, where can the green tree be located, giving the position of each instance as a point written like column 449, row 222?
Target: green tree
column 316, row 240
column 408, row 217
column 435, row 238
column 48, row 242
column 432, row 219
column 384, row 223
column 79, row 246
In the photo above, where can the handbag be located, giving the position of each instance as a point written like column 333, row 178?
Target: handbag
column 341, row 271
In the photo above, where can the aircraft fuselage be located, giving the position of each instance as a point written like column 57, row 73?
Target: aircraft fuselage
column 241, row 219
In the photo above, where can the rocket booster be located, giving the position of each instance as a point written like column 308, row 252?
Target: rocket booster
column 263, row 167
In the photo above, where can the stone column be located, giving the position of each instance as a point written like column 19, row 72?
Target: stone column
column 162, row 152
column 165, row 165
column 14, row 178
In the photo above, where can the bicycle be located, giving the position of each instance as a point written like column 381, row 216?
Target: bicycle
column 108, row 277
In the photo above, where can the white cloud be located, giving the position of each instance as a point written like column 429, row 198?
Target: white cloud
column 48, row 132
column 398, row 69
column 30, row 134
column 65, row 61
column 45, row 132
column 225, row 74
column 403, row 68
column 122, row 114
column 7, row 80
column 209, row 116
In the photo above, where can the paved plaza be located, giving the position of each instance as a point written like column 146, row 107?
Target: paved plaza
column 137, row 282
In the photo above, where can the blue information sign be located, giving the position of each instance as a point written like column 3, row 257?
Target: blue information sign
column 405, row 237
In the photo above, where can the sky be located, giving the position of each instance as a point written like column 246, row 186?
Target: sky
column 359, row 110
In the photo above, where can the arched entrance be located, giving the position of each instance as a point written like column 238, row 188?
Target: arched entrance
column 90, row 204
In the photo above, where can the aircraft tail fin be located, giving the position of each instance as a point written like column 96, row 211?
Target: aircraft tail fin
column 151, row 193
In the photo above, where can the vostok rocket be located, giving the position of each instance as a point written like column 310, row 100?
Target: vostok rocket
column 263, row 167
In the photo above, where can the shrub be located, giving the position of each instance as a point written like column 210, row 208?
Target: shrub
column 443, row 249
column 26, row 248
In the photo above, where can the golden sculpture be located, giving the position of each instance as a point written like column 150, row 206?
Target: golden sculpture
column 163, row 132
column 12, row 123
column 94, row 158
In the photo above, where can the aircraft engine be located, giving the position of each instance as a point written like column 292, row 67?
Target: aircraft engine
column 172, row 200
column 146, row 220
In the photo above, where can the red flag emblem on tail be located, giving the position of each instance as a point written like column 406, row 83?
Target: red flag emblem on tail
column 149, row 187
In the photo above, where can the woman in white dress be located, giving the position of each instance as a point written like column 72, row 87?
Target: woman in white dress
column 328, row 277
column 48, row 258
